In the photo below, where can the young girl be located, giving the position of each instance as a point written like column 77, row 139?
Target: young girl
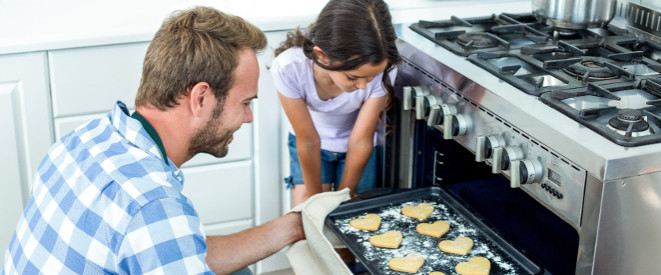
column 333, row 84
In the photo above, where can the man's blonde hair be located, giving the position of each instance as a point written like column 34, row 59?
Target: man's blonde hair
column 200, row 44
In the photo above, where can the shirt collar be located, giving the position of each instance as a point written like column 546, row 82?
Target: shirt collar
column 135, row 132
column 152, row 133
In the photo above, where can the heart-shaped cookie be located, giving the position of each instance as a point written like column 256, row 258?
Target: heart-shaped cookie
column 476, row 266
column 460, row 245
column 410, row 264
column 390, row 239
column 436, row 229
column 420, row 211
column 436, row 273
column 369, row 222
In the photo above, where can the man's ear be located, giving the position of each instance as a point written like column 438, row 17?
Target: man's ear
column 321, row 55
column 199, row 98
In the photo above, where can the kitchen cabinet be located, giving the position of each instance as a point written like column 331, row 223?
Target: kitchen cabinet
column 89, row 80
column 26, row 132
column 221, row 192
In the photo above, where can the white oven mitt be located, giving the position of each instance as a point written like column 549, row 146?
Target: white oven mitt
column 315, row 254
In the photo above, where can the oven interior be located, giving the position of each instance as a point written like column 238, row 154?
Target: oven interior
column 529, row 226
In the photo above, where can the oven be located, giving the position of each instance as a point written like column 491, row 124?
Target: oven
column 551, row 136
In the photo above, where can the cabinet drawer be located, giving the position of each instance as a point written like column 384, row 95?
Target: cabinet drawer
column 90, row 80
column 239, row 149
column 221, row 192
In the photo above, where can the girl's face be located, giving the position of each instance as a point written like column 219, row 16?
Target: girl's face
column 349, row 81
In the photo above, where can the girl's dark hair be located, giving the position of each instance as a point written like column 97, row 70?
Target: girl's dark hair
column 351, row 33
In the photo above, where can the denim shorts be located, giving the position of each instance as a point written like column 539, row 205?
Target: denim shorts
column 332, row 167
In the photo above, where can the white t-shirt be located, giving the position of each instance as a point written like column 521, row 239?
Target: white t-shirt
column 333, row 118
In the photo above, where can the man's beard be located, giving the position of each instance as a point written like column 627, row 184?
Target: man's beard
column 208, row 140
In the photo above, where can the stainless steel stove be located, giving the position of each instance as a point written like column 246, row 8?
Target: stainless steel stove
column 572, row 118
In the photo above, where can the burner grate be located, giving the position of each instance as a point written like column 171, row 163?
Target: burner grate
column 466, row 36
column 627, row 113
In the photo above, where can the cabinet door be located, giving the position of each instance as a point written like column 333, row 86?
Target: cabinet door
column 26, row 132
column 221, row 192
column 89, row 80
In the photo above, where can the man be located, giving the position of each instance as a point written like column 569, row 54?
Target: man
column 107, row 197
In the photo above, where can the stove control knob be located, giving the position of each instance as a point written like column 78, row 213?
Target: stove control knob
column 503, row 156
column 437, row 115
column 420, row 108
column 434, row 104
column 454, row 125
column 525, row 172
column 410, row 95
column 485, row 145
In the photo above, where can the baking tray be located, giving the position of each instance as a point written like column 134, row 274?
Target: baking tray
column 504, row 258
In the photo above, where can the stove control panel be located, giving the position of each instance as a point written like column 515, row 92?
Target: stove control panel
column 529, row 164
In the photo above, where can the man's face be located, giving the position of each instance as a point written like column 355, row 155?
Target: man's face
column 215, row 136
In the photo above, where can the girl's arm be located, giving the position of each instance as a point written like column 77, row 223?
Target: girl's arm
column 361, row 141
column 308, row 143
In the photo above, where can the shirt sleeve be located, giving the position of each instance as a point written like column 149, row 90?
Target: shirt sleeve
column 164, row 237
column 285, row 78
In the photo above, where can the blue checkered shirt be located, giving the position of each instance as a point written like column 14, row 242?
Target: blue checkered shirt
column 105, row 201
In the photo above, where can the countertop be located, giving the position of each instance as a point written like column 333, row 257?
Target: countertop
column 32, row 25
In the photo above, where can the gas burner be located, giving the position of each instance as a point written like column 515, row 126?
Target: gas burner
column 595, row 66
column 629, row 118
column 477, row 40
